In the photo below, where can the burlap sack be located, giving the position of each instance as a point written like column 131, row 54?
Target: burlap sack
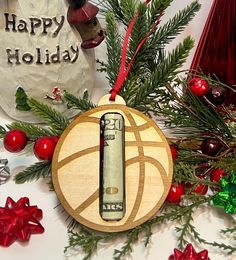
column 38, row 51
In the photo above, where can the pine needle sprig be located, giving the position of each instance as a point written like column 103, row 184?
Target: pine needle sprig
column 184, row 229
column 166, row 33
column 228, row 163
column 114, row 47
column 34, row 172
column 87, row 243
column 154, row 87
column 87, row 240
column 82, row 104
column 31, row 130
column 127, row 248
column 187, row 173
column 3, row 131
column 53, row 118
column 113, row 6
column 225, row 248
column 157, row 8
column 128, row 9
column 230, row 230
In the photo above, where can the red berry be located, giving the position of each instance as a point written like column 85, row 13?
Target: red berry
column 217, row 95
column 55, row 138
column 200, row 189
column 44, row 148
column 199, row 86
column 174, row 152
column 211, row 147
column 15, row 141
column 175, row 193
column 217, row 174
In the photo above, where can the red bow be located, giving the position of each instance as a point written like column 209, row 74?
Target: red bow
column 18, row 220
column 189, row 253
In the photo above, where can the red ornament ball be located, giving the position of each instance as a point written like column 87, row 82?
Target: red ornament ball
column 199, row 86
column 174, row 152
column 15, row 141
column 175, row 193
column 217, row 95
column 211, row 147
column 217, row 174
column 44, row 148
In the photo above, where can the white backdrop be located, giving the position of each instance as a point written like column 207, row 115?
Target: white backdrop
column 50, row 245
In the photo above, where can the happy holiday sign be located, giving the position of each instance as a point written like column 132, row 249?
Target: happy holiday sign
column 38, row 51
column 35, row 26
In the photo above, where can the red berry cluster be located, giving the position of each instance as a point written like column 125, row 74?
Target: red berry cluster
column 177, row 190
column 16, row 140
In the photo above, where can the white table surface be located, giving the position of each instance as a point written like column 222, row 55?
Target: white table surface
column 50, row 245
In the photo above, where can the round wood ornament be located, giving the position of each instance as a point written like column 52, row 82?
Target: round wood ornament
column 76, row 167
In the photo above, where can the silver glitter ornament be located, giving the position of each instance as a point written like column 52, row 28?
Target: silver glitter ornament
column 4, row 171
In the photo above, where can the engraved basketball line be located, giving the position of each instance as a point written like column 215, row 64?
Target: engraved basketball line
column 141, row 159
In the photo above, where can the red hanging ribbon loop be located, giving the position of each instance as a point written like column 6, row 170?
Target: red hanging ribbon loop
column 124, row 71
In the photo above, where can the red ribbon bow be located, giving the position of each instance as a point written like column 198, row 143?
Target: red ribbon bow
column 18, row 220
column 189, row 253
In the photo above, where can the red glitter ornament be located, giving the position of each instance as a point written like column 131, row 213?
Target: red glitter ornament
column 44, row 147
column 18, row 220
column 15, row 141
column 198, row 86
column 189, row 253
column 175, row 193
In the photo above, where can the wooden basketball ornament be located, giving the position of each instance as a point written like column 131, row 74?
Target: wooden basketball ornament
column 76, row 168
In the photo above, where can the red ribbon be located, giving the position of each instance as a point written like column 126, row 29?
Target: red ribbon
column 18, row 220
column 123, row 72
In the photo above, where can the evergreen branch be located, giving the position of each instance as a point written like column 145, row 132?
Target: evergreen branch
column 50, row 116
column 113, row 43
column 132, row 238
column 114, row 7
column 191, row 114
column 82, row 104
column 228, row 163
column 230, row 249
column 184, row 229
column 148, row 234
column 195, row 234
column 34, row 172
column 89, row 240
column 86, row 242
column 187, row 173
column 3, row 131
column 31, row 130
column 176, row 25
column 154, row 88
column 230, row 230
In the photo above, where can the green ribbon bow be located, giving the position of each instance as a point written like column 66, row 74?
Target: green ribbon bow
column 226, row 198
